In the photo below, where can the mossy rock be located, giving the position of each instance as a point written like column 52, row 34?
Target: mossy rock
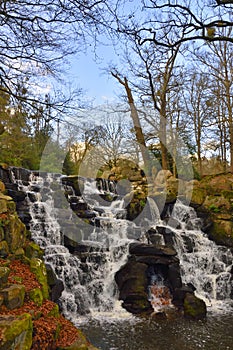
column 4, row 249
column 196, row 195
column 3, row 206
column 32, row 250
column 221, row 232
column 4, row 273
column 19, row 253
column 15, row 233
column 36, row 296
column 16, row 332
column 216, row 204
column 37, row 266
column 54, row 312
column 194, row 307
column 11, row 207
column 13, row 296
column 2, row 187
column 2, row 234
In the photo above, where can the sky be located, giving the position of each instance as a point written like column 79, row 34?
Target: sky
column 88, row 74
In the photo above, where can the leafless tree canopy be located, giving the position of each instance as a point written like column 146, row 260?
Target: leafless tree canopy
column 36, row 35
column 170, row 23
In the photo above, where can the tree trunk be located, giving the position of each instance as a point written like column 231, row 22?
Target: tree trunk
column 136, row 122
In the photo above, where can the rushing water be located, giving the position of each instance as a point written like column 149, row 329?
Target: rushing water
column 90, row 290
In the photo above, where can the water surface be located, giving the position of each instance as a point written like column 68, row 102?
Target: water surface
column 214, row 333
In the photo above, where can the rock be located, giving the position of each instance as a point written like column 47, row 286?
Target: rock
column 32, row 250
column 179, row 295
column 4, row 273
column 76, row 182
column 194, row 307
column 145, row 249
column 155, row 260
column 2, row 187
column 4, row 197
column 132, row 283
column 4, row 249
column 174, row 276
column 168, row 235
column 37, row 266
column 162, row 176
column 2, row 234
column 221, row 232
column 15, row 233
column 3, row 206
column 56, row 286
column 18, row 196
column 16, row 332
column 13, row 296
column 36, row 296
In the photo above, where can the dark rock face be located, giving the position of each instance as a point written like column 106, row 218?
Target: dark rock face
column 56, row 285
column 132, row 282
column 194, row 307
column 150, row 250
column 135, row 277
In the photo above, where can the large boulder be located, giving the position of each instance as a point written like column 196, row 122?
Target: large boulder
column 194, row 307
column 132, row 283
column 13, row 296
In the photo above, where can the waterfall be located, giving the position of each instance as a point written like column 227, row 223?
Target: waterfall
column 85, row 237
column 207, row 266
column 101, row 244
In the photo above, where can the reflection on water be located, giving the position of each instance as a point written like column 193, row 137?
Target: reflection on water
column 215, row 333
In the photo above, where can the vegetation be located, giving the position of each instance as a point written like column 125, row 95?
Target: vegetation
column 175, row 70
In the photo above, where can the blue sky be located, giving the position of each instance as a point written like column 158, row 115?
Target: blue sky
column 89, row 75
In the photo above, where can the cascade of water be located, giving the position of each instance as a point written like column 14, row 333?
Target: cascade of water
column 203, row 263
column 88, row 278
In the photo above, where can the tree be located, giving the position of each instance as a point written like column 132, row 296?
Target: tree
column 135, row 118
column 36, row 36
column 198, row 102
column 185, row 21
column 217, row 62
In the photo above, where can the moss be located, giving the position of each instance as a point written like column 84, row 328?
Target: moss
column 54, row 312
column 32, row 250
column 3, row 206
column 11, row 206
column 16, row 332
column 17, row 279
column 4, row 249
column 227, row 194
column 36, row 296
column 15, row 232
column 37, row 266
column 213, row 208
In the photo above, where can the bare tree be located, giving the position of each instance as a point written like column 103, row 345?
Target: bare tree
column 135, row 118
column 184, row 20
column 36, row 36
